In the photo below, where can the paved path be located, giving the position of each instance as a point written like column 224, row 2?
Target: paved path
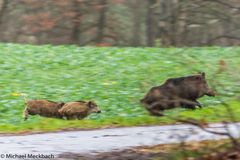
column 107, row 139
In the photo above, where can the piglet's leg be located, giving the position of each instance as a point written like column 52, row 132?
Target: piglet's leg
column 72, row 117
column 79, row 117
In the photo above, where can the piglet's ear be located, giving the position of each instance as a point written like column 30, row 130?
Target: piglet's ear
column 203, row 74
column 62, row 103
column 89, row 103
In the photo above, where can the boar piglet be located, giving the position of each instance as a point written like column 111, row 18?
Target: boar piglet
column 43, row 108
column 79, row 109
column 177, row 92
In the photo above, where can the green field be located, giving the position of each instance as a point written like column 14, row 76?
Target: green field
column 116, row 78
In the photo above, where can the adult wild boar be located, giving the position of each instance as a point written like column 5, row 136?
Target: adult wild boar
column 177, row 92
column 79, row 109
column 43, row 108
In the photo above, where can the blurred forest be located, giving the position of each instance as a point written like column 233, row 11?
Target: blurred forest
column 121, row 22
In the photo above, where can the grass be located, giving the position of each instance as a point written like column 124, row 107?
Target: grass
column 116, row 78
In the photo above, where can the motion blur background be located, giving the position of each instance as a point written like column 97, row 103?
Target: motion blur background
column 121, row 22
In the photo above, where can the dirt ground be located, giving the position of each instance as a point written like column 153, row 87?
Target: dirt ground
column 121, row 155
column 206, row 150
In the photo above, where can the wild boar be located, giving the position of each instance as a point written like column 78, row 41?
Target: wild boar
column 79, row 109
column 177, row 92
column 43, row 108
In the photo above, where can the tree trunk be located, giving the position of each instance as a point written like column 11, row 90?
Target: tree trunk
column 101, row 21
column 3, row 6
column 150, row 23
column 136, row 29
column 76, row 22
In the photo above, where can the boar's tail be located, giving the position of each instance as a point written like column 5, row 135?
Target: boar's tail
column 24, row 97
column 25, row 114
column 146, row 100
column 25, row 111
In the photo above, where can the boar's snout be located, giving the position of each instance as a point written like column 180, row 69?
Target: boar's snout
column 96, row 110
column 93, row 107
column 210, row 92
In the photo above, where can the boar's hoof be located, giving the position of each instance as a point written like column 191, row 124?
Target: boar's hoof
column 189, row 106
column 193, row 108
column 199, row 105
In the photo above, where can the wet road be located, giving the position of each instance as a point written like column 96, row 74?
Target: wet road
column 108, row 139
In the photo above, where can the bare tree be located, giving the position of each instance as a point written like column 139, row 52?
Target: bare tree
column 76, row 21
column 150, row 22
column 3, row 6
column 137, row 21
column 101, row 21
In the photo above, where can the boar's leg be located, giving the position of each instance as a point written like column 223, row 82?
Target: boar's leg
column 156, row 108
column 189, row 104
column 79, row 117
column 59, row 116
column 193, row 106
column 198, row 104
column 155, row 112
column 71, row 117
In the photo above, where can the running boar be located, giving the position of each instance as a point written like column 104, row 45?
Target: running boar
column 79, row 109
column 177, row 92
column 43, row 108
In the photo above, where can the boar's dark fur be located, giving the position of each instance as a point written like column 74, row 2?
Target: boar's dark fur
column 177, row 92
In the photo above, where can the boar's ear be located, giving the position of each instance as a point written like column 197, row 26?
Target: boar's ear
column 198, row 77
column 62, row 103
column 90, row 104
